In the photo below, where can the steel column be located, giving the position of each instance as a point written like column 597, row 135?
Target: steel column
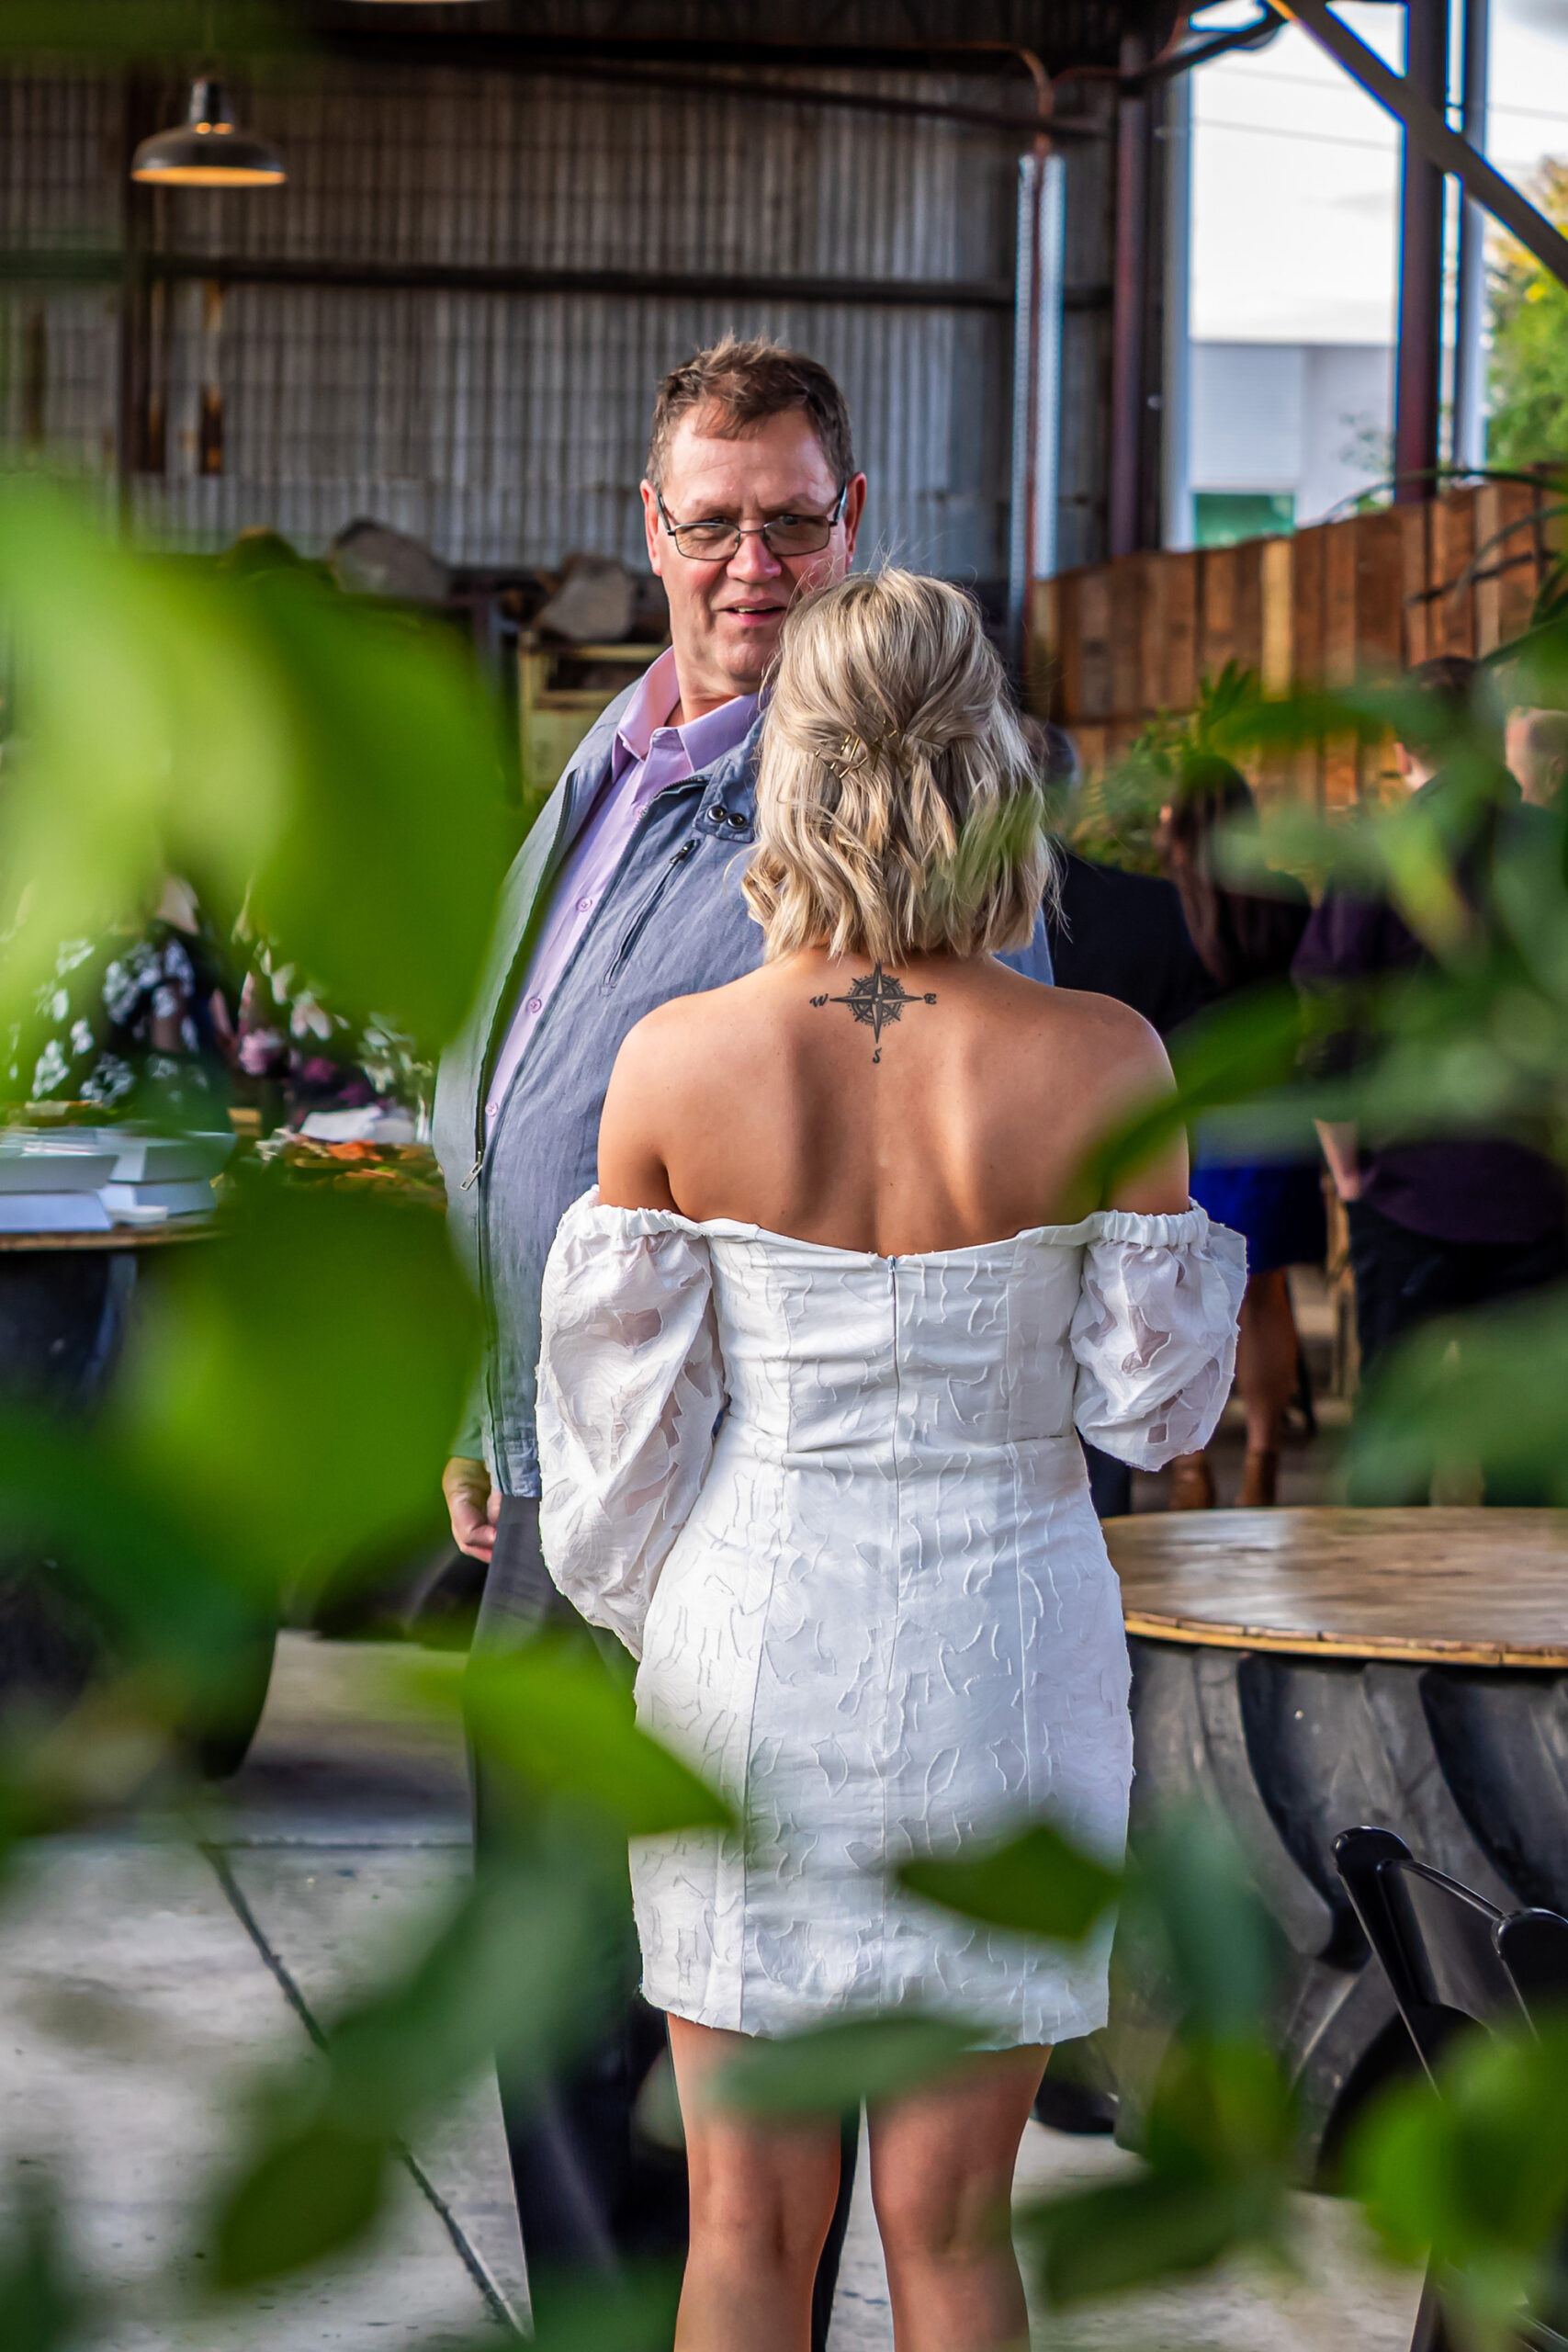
column 1130, row 302
column 1425, row 125
column 1417, row 393
column 1470, row 369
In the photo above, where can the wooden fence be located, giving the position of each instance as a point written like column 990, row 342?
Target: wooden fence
column 1113, row 644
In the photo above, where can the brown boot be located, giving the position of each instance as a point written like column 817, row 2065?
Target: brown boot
column 1191, row 1483
column 1259, row 1479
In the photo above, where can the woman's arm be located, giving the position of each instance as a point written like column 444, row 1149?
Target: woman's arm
column 637, row 1107
column 1139, row 1080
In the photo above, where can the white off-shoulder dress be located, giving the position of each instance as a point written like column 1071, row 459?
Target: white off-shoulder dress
column 834, row 1504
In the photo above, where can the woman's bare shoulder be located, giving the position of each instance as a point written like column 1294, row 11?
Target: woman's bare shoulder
column 1102, row 1030
column 687, row 1023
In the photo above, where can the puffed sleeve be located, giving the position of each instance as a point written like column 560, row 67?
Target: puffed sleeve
column 1153, row 1333
column 631, row 1387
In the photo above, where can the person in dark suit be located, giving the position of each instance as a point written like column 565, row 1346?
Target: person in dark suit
column 1116, row 933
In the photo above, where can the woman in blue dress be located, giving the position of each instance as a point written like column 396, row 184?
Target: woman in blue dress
column 1244, row 938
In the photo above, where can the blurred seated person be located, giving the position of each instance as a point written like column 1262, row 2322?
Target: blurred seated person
column 1537, row 755
column 137, row 1021
column 309, row 1057
column 1244, row 938
column 1441, row 1223
column 1117, row 934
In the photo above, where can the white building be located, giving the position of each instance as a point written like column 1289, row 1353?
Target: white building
column 1282, row 432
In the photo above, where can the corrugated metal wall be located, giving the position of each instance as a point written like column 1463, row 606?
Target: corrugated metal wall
column 503, row 426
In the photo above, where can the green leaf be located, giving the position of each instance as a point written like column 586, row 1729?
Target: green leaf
column 1192, row 1912
column 294, row 1386
column 382, row 878
column 338, row 764
column 1038, row 1883
column 528, row 1963
column 635, row 2313
column 309, row 2198
column 121, row 31
column 41, row 2310
column 1132, row 2232
column 833, row 2070
column 1477, row 2172
column 1488, row 1389
column 554, row 1717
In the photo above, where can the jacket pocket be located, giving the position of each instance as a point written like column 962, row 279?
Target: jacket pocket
column 646, row 913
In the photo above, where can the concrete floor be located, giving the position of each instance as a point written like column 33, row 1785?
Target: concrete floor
column 140, row 1979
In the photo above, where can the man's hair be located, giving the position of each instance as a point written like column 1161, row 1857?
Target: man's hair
column 742, row 382
column 897, row 807
column 1450, row 698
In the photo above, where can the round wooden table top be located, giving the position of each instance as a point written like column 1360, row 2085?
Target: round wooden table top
column 118, row 1237
column 1436, row 1587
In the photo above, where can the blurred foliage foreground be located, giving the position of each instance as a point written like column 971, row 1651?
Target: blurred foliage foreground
column 288, row 1401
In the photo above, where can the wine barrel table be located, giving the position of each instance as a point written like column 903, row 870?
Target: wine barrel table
column 1303, row 1670
column 65, row 1299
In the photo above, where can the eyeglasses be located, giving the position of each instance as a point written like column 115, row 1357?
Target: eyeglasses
column 715, row 540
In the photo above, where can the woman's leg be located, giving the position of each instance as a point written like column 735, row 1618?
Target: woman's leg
column 941, row 2167
column 761, row 2200
column 1266, row 1374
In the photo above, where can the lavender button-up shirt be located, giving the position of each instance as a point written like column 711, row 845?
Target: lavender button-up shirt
column 648, row 755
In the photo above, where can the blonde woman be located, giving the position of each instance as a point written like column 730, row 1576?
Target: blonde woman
column 813, row 1353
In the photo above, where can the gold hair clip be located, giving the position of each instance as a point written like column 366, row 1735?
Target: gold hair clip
column 857, row 752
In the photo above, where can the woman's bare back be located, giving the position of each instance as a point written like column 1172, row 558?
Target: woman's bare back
column 948, row 1103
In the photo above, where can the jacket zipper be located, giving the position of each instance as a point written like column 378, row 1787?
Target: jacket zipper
column 479, row 1170
column 639, row 921
column 474, row 1176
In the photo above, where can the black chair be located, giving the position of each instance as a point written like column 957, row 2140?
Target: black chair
column 1451, row 1960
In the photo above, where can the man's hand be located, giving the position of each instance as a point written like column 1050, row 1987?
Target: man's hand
column 474, row 1505
column 1342, row 1151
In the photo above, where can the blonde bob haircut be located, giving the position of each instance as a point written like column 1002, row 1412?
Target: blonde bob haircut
column 897, row 809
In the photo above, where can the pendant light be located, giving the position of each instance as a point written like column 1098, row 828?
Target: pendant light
column 209, row 150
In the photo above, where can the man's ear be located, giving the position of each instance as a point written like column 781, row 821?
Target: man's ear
column 854, row 507
column 651, row 525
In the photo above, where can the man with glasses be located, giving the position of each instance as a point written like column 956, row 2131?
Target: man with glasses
column 627, row 893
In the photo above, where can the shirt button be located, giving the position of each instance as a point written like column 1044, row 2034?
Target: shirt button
column 491, row 1110
column 534, row 1004
column 585, row 906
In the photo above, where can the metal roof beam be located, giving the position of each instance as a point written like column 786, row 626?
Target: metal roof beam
column 1426, row 130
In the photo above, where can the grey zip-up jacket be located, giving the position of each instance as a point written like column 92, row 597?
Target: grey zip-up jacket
column 672, row 921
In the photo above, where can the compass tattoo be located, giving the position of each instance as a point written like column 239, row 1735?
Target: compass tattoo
column 876, row 1001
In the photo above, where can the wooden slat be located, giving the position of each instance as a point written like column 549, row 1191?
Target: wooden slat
column 1177, row 685
column 1380, row 584
column 1341, row 766
column 1096, row 697
column 1129, row 599
column 1091, row 740
column 1153, row 629
column 1488, row 607
column 1380, row 629
column 1277, row 589
column 1519, row 586
column 1452, row 628
column 1247, row 633
column 1476, row 1588
column 1274, row 775
column 1309, row 551
column 1216, row 609
column 1412, row 522
column 1340, row 648
column 1111, row 644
